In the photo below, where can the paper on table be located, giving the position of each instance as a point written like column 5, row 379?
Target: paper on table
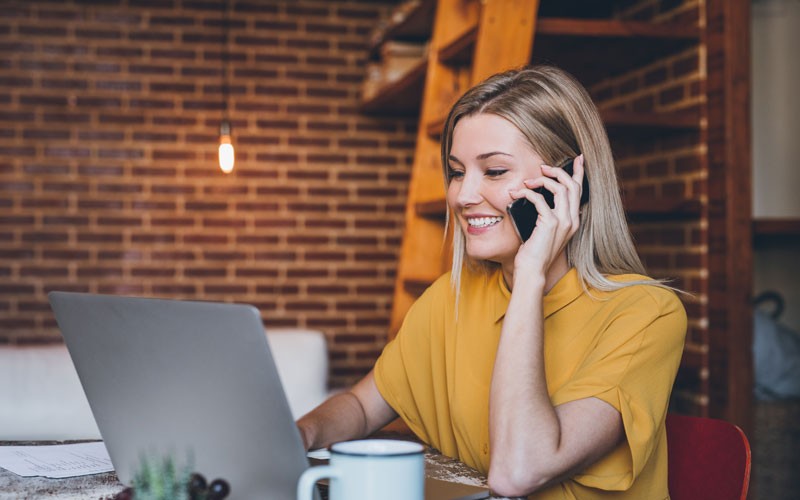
column 56, row 461
column 319, row 454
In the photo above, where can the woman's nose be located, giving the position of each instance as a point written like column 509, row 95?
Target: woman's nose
column 470, row 191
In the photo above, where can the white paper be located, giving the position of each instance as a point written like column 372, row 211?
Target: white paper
column 56, row 461
column 319, row 454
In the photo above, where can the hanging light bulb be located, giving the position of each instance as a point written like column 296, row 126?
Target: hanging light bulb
column 226, row 156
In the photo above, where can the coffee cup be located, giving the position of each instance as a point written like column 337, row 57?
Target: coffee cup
column 369, row 469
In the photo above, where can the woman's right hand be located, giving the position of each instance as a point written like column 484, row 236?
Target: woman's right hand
column 554, row 226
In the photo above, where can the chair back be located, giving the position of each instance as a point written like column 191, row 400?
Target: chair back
column 709, row 459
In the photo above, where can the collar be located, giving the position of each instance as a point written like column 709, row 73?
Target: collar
column 565, row 291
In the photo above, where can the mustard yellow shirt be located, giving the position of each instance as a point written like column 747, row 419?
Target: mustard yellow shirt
column 623, row 347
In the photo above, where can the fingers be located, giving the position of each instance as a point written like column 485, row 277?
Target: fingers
column 566, row 190
column 578, row 170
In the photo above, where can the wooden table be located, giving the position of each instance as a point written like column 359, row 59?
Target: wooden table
column 106, row 485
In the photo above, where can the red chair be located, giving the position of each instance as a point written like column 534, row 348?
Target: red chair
column 709, row 459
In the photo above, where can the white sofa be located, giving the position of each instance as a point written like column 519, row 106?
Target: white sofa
column 41, row 397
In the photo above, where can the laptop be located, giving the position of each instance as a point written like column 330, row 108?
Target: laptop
column 195, row 381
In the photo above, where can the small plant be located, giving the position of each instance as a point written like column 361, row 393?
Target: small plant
column 162, row 481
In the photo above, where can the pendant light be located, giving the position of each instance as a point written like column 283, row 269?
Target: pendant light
column 226, row 155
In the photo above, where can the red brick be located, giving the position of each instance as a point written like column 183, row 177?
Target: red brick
column 204, row 272
column 326, row 256
column 173, row 289
column 210, row 239
column 307, row 273
column 152, row 272
column 98, row 237
column 99, row 272
column 257, row 272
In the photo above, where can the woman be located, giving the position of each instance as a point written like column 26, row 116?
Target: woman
column 546, row 364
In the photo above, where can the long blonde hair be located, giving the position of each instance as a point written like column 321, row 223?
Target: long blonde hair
column 557, row 117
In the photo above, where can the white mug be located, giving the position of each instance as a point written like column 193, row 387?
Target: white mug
column 370, row 469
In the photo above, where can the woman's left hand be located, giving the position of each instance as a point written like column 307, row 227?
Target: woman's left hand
column 556, row 226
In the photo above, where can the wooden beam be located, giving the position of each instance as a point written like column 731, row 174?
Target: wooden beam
column 503, row 28
column 730, row 252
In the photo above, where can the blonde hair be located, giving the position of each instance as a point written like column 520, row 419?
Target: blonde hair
column 557, row 117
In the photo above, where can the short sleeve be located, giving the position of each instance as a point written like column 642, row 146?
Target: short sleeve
column 403, row 370
column 632, row 368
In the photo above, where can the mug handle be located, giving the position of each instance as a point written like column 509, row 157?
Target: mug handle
column 305, row 486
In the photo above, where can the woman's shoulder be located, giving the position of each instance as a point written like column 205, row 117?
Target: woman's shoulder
column 646, row 292
column 648, row 306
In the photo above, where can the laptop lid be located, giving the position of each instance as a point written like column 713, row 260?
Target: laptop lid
column 195, row 380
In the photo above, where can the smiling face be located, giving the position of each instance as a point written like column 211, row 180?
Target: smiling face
column 489, row 156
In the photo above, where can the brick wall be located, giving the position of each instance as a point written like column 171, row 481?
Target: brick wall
column 109, row 182
column 670, row 165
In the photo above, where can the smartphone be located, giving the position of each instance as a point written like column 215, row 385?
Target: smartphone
column 524, row 213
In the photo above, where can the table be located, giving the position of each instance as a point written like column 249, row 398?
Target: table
column 102, row 486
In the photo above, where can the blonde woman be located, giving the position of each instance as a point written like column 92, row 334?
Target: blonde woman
column 546, row 364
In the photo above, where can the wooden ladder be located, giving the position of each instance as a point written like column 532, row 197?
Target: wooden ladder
column 470, row 41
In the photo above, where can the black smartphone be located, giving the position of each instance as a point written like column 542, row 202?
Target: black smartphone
column 524, row 213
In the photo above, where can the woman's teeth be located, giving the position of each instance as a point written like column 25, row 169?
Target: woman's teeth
column 483, row 221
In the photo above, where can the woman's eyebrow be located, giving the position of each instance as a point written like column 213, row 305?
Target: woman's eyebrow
column 482, row 156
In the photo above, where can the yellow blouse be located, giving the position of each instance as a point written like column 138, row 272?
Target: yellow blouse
column 623, row 347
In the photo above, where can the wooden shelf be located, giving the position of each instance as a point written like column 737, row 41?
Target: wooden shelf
column 650, row 120
column 432, row 209
column 776, row 230
column 776, row 226
column 417, row 284
column 436, row 127
column 416, row 26
column 459, row 50
column 401, row 97
column 583, row 46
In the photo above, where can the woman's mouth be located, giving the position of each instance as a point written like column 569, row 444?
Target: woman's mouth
column 482, row 222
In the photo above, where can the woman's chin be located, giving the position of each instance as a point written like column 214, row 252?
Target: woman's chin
column 481, row 255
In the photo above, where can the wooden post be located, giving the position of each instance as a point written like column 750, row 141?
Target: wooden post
column 730, row 253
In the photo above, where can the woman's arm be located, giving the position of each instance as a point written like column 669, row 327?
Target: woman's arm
column 534, row 444
column 353, row 414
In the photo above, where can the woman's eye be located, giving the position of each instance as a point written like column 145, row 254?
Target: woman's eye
column 495, row 172
column 454, row 174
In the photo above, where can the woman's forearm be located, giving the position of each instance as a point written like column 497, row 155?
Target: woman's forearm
column 533, row 443
column 353, row 414
column 338, row 419
column 523, row 424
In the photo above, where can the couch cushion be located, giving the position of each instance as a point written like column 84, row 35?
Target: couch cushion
column 41, row 397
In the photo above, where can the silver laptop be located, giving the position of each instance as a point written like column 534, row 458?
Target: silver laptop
column 194, row 380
